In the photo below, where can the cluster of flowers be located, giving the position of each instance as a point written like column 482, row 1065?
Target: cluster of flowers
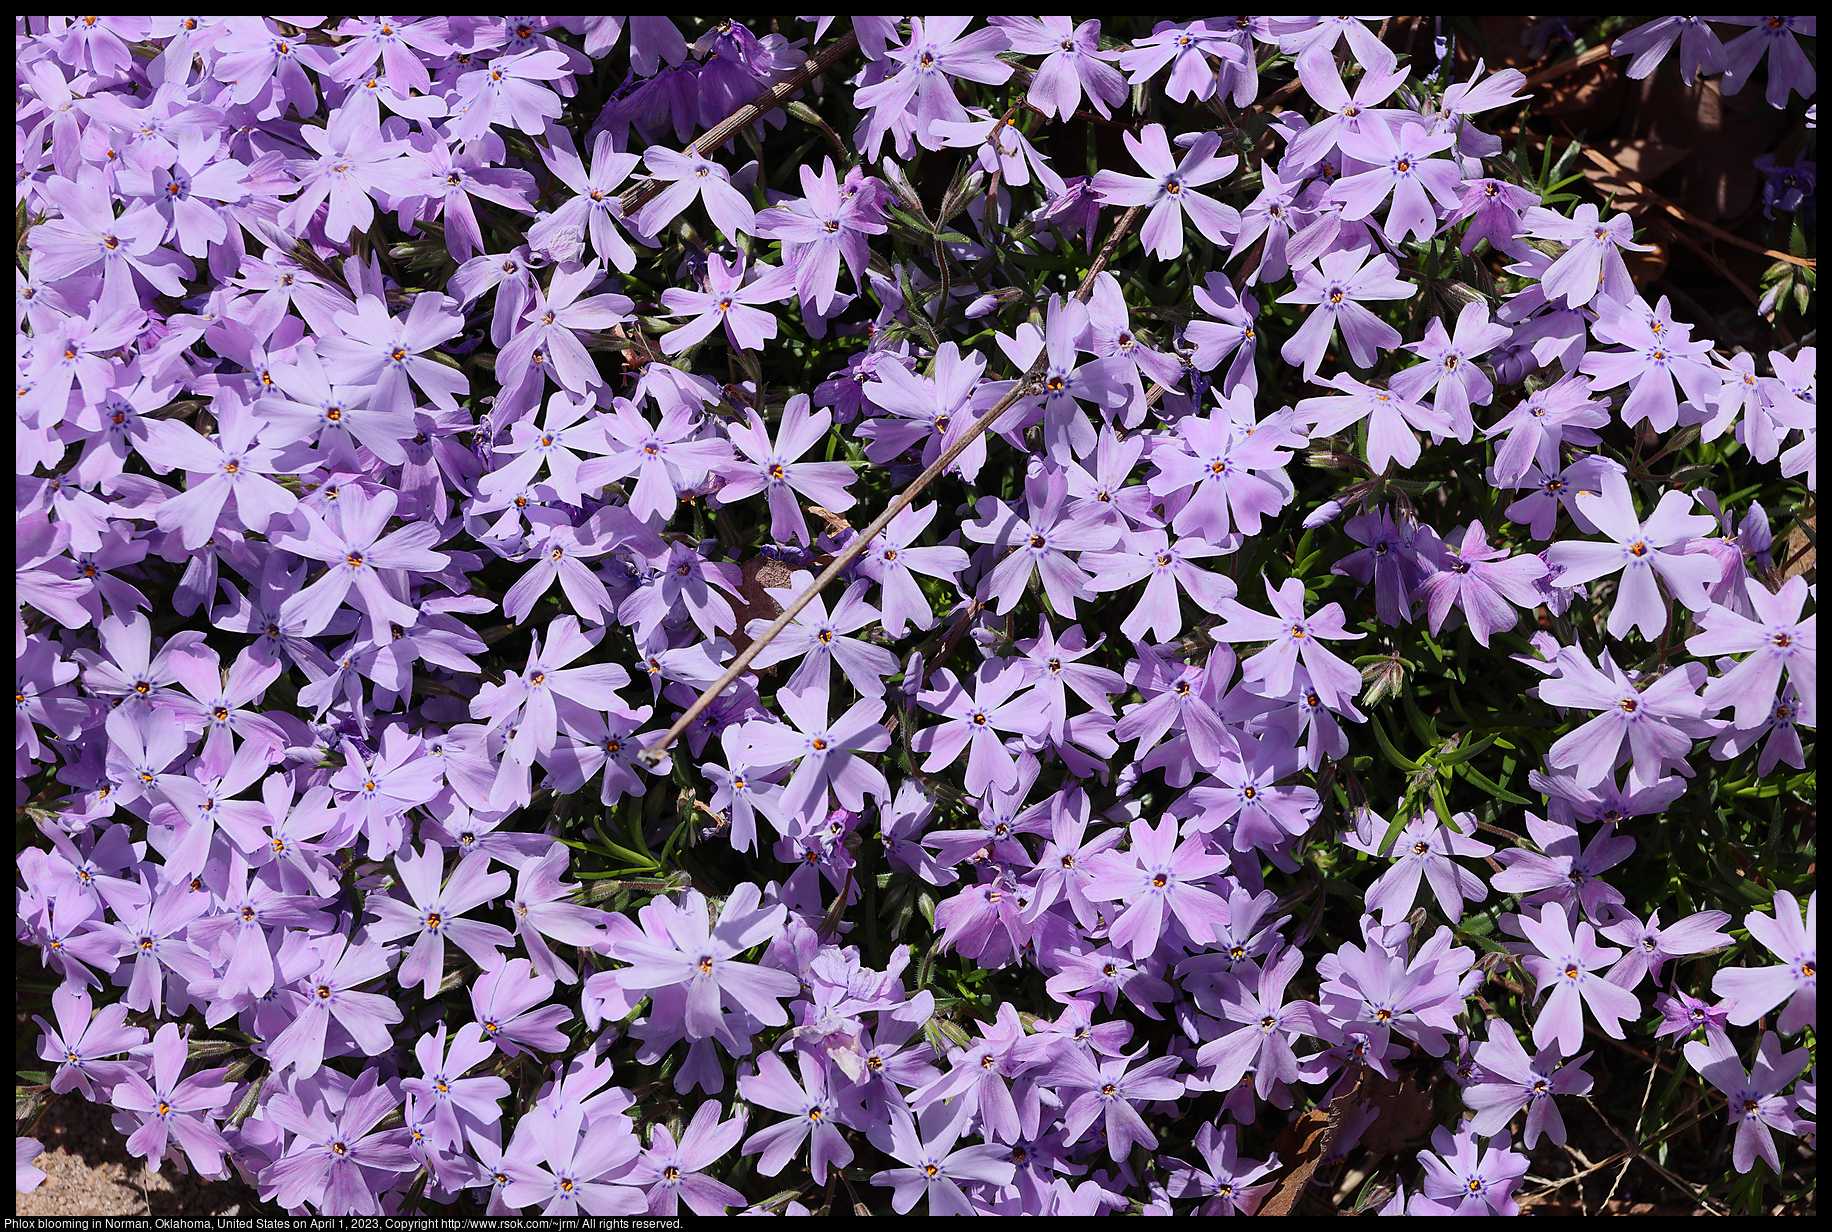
column 277, row 819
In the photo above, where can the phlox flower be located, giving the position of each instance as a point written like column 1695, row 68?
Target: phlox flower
column 79, row 1042
column 1294, row 636
column 1482, row 581
column 168, row 1108
column 1641, row 551
column 701, row 955
column 1508, row 1081
column 512, row 1002
column 1051, row 527
column 934, row 1167
column 570, row 1168
column 1106, row 1089
column 1404, row 170
column 1756, row 1102
column 674, row 1172
column 350, row 542
column 1073, row 62
column 1423, row 849
column 1463, row 1178
column 973, row 722
column 1650, row 946
column 729, row 300
column 433, row 915
column 1754, row 991
column 665, row 459
column 1777, row 640
column 1336, row 285
column 893, row 558
column 1592, row 262
column 1650, row 43
column 1569, row 964
column 1224, row 1181
column 595, row 209
column 1155, row 879
column 1169, row 186
column 812, row 1116
column 1658, row 722
column 938, row 48
column 1391, row 420
column 454, row 1104
column 1450, row 367
column 330, row 991
column 1789, row 70
column 1345, row 115
column 777, row 470
column 552, row 325
column 828, row 754
column 1261, row 1042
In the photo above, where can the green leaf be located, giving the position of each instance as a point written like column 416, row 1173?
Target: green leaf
column 1393, row 755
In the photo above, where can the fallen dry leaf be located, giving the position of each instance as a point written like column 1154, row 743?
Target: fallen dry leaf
column 1305, row 1143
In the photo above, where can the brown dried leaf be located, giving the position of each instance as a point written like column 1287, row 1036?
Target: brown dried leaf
column 1304, row 1144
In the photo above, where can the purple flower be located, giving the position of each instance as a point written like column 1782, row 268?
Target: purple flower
column 1778, row 639
column 1336, row 285
column 775, row 469
column 1051, row 527
column 1404, row 170
column 167, row 1108
column 511, row 1003
column 663, row 458
column 812, row 1113
column 1699, row 48
column 675, row 1172
column 936, row 51
column 1109, row 1087
column 1450, row 368
column 934, row 1168
column 1465, row 1179
column 1293, row 636
column 1756, row 1102
column 833, row 221
column 532, row 699
column 1225, row 1181
column 1345, row 116
column 1650, row 945
column 1789, row 70
column 891, row 560
column 434, row 915
column 829, row 754
column 456, row 1105
column 973, row 721
column 78, row 1043
column 570, row 1168
column 1423, row 848
column 1391, row 420
column 1642, row 551
column 1569, row 965
column 1156, row 879
column 1508, row 1080
column 1661, row 353
column 701, row 955
column 553, row 323
column 1592, row 261
column 1658, row 722
column 351, row 544
column 1267, row 1019
column 330, row 991
column 820, row 640
column 594, row 210
column 1073, row 62
column 1754, row 991
column 1169, row 187
column 1482, row 581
